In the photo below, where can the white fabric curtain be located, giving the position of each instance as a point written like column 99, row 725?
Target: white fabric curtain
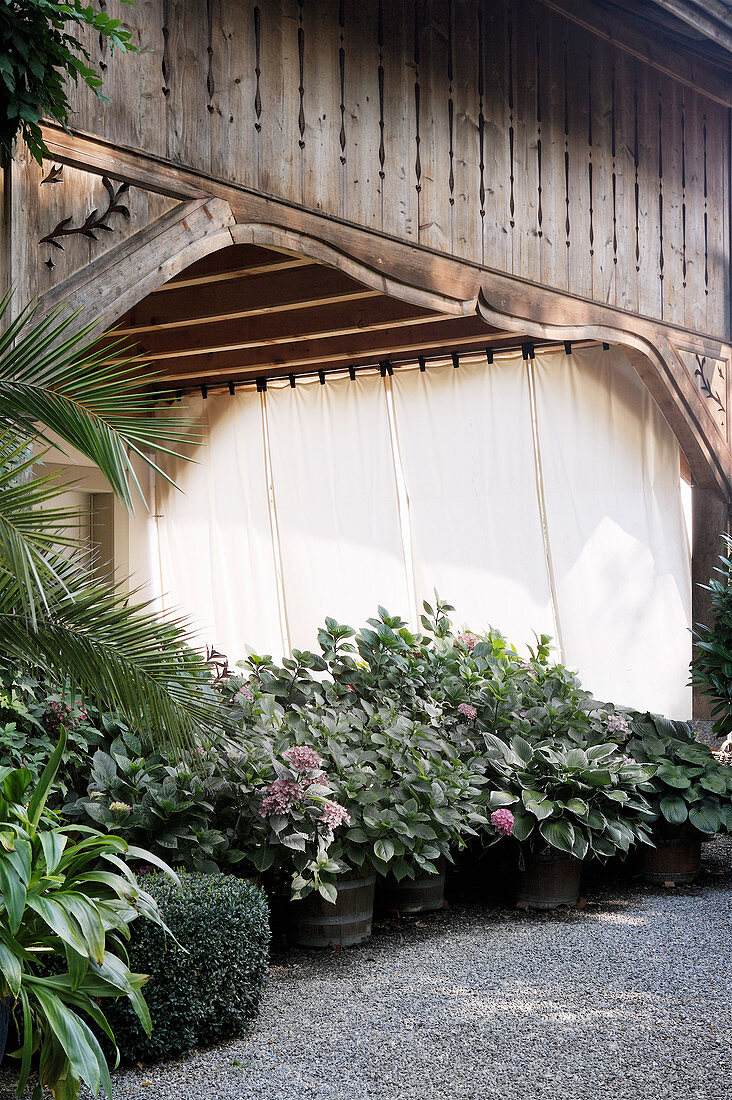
column 332, row 499
column 617, row 535
column 465, row 440
column 336, row 503
column 216, row 549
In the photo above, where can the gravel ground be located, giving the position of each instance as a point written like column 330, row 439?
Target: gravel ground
column 630, row 996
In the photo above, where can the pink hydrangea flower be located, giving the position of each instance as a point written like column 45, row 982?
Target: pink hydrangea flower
column 617, row 723
column 303, row 758
column 244, row 693
column 469, row 640
column 119, row 807
column 502, row 821
column 334, row 815
column 467, row 711
column 281, row 796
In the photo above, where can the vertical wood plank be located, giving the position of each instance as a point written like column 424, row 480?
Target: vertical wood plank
column 363, row 181
column 437, row 127
column 649, row 297
column 234, row 136
column 467, row 233
column 496, row 154
column 694, row 291
column 279, row 172
column 581, row 231
column 400, row 207
column 186, row 73
column 626, row 283
column 525, row 253
column 673, row 228
column 321, row 148
column 718, row 170
column 601, row 104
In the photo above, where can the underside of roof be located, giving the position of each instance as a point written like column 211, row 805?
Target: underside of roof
column 701, row 27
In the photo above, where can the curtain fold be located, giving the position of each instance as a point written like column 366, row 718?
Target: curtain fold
column 617, row 534
column 215, row 539
column 465, row 440
column 336, row 503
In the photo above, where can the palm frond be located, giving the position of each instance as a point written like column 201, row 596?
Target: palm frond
column 112, row 647
column 53, row 374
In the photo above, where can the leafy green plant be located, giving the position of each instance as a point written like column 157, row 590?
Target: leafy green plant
column 711, row 667
column 41, row 53
column 100, row 640
column 68, row 899
column 164, row 805
column 688, row 783
column 587, row 803
column 208, row 988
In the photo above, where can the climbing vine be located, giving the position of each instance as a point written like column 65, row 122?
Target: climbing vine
column 39, row 54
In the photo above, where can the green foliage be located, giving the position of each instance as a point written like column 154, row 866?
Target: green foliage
column 711, row 668
column 587, row 803
column 208, row 988
column 54, row 615
column 157, row 803
column 40, row 53
column 688, row 783
column 68, row 899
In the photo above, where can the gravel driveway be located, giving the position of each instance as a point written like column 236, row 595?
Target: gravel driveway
column 630, row 997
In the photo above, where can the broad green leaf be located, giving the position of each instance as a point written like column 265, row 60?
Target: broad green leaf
column 558, row 834
column 12, row 892
column 522, row 748
column 384, row 850
column 705, row 818
column 577, row 806
column 10, row 967
column 53, row 844
column 540, row 810
column 674, row 809
column 523, row 826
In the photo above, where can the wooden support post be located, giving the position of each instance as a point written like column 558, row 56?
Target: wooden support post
column 710, row 519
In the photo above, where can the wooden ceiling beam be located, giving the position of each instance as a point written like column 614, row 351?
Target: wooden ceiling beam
column 241, row 297
column 235, row 273
column 459, row 333
column 323, row 320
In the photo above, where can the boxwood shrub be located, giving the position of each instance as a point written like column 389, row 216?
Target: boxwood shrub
column 210, row 991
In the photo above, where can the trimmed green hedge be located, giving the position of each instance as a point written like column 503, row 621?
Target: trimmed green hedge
column 210, row 991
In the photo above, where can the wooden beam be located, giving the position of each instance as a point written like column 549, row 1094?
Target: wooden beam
column 715, row 27
column 235, row 273
column 287, row 327
column 450, row 335
column 243, row 297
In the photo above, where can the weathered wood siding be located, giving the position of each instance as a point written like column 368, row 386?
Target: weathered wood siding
column 495, row 131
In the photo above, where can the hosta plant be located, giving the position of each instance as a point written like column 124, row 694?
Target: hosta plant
column 586, row 803
column 151, row 800
column 688, row 784
column 68, row 898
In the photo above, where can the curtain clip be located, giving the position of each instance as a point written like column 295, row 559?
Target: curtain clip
column 568, row 347
column 321, row 377
column 527, row 351
column 261, row 385
column 606, row 347
column 352, row 373
column 232, row 388
column 489, row 354
column 204, row 392
column 455, row 360
column 422, row 363
column 292, row 381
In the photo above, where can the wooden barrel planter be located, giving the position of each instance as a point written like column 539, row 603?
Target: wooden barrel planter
column 418, row 895
column 550, row 879
column 345, row 923
column 675, row 860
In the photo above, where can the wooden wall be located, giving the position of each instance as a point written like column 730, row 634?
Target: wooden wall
column 492, row 130
column 495, row 131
